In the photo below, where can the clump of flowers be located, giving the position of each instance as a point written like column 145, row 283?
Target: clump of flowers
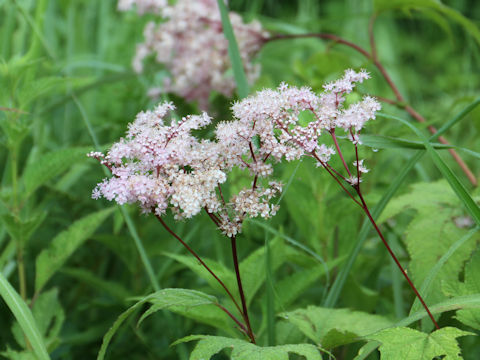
column 191, row 45
column 161, row 166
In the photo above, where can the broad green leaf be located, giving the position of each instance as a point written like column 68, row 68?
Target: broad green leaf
column 428, row 237
column 233, row 52
column 208, row 346
column 334, row 327
column 408, row 344
column 425, row 288
column 162, row 299
column 50, row 165
column 64, row 244
column 471, row 317
column 24, row 317
column 49, row 316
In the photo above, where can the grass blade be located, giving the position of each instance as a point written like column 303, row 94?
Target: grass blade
column 233, row 52
column 24, row 317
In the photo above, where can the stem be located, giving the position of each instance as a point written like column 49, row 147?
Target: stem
column 367, row 212
column 240, row 288
column 21, row 273
column 191, row 251
column 332, row 132
column 412, row 112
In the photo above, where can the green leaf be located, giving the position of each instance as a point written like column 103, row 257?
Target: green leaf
column 408, row 344
column 64, row 244
column 24, row 317
column 162, row 299
column 49, row 316
column 208, row 346
column 334, row 327
column 233, row 52
column 226, row 275
column 50, row 165
column 471, row 317
column 428, row 237
column 253, row 279
column 425, row 288
column 21, row 229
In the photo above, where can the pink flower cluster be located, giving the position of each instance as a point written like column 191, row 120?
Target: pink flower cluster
column 192, row 47
column 160, row 165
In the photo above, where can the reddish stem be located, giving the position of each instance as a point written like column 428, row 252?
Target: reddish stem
column 191, row 251
column 367, row 212
column 240, row 288
column 332, row 132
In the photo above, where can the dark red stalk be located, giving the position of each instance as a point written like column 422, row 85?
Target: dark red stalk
column 367, row 212
column 191, row 251
column 364, row 206
column 240, row 288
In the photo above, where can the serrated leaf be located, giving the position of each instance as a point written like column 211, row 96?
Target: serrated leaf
column 64, row 244
column 428, row 237
column 408, row 344
column 471, row 317
column 333, row 327
column 50, row 165
column 164, row 299
column 208, row 346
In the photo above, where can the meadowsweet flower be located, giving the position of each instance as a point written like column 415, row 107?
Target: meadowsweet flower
column 158, row 165
column 192, row 47
column 272, row 116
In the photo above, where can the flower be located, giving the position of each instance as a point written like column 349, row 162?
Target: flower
column 191, row 45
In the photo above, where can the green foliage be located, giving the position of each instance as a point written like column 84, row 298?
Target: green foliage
column 330, row 328
column 429, row 237
column 171, row 299
column 208, row 346
column 49, row 166
column 64, row 244
column 24, row 317
column 409, row 344
column 66, row 87
column 471, row 286
column 49, row 316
